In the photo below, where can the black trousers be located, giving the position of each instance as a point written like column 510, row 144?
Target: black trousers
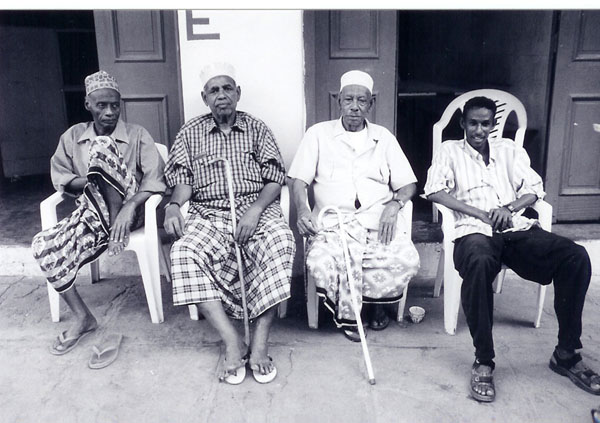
column 534, row 254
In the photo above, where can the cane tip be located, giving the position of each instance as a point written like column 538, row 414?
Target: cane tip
column 372, row 381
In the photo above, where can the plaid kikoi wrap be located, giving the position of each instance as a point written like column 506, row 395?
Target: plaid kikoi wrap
column 81, row 237
column 380, row 271
column 204, row 267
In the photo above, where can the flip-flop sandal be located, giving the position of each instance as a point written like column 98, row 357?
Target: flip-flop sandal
column 379, row 320
column 238, row 375
column 581, row 378
column 106, row 353
column 260, row 378
column 596, row 415
column 72, row 342
column 480, row 380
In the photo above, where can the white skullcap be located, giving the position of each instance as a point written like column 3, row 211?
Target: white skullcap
column 356, row 77
column 216, row 69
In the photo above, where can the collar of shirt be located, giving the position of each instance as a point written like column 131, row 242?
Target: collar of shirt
column 476, row 155
column 239, row 123
column 339, row 133
column 119, row 134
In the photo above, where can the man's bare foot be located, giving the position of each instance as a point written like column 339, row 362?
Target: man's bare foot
column 235, row 357
column 259, row 359
column 69, row 338
column 115, row 248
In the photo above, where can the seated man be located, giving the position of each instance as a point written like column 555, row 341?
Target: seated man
column 359, row 167
column 114, row 167
column 488, row 184
column 204, row 268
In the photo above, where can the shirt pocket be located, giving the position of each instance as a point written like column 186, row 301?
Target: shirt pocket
column 205, row 173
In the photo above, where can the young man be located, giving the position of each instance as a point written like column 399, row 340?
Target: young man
column 113, row 167
column 488, row 184
column 204, row 268
column 359, row 167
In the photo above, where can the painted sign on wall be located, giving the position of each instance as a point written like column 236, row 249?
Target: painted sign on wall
column 266, row 48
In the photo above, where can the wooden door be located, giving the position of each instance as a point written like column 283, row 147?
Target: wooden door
column 139, row 47
column 341, row 40
column 573, row 165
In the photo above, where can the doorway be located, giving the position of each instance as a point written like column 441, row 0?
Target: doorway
column 442, row 54
column 45, row 58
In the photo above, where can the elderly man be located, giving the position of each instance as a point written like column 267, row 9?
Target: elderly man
column 204, row 268
column 113, row 167
column 359, row 167
column 488, row 184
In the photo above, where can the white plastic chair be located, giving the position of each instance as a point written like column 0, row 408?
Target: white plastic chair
column 143, row 241
column 312, row 298
column 446, row 272
column 284, row 201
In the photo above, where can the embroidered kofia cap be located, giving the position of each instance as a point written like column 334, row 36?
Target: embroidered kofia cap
column 216, row 69
column 99, row 80
column 356, row 77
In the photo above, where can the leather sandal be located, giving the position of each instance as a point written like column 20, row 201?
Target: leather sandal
column 482, row 381
column 583, row 378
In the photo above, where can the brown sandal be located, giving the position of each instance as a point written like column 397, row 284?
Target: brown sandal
column 582, row 378
column 480, row 380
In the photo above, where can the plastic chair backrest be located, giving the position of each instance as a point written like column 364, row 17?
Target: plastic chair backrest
column 163, row 151
column 505, row 102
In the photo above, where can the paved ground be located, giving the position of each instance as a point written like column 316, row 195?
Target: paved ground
column 166, row 372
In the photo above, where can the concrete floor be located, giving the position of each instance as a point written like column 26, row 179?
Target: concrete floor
column 167, row 372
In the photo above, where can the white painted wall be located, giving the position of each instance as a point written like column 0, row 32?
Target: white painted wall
column 266, row 48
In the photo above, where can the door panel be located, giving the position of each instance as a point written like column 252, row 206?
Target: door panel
column 353, row 39
column 573, row 174
column 139, row 47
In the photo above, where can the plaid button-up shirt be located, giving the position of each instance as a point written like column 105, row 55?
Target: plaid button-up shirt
column 251, row 150
column 461, row 171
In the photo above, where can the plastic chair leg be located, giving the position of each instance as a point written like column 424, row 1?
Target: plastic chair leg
column 95, row 271
column 165, row 262
column 452, row 284
column 499, row 281
column 312, row 301
column 149, row 273
column 439, row 277
column 54, row 299
column 193, row 310
column 282, row 309
column 402, row 305
column 540, row 305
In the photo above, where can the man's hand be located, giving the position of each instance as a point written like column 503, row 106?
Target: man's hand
column 387, row 222
column 119, row 232
column 500, row 218
column 174, row 222
column 305, row 223
column 247, row 225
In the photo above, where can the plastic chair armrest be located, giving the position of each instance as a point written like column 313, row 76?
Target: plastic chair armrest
column 544, row 211
column 447, row 220
column 48, row 209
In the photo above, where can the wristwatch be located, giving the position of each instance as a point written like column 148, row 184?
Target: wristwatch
column 510, row 207
column 400, row 202
column 172, row 203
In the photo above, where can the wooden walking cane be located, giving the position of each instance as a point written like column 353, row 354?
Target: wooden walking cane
column 238, row 253
column 361, row 331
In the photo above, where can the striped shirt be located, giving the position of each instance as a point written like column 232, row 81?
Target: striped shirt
column 251, row 150
column 461, row 171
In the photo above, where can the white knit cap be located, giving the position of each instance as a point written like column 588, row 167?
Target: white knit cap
column 356, row 77
column 216, row 69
